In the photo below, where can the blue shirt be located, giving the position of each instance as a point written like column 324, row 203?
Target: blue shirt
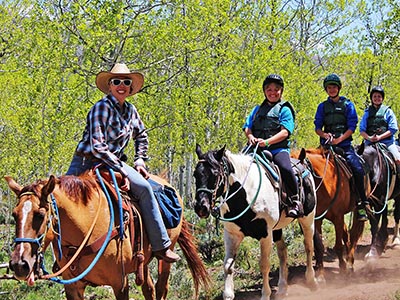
column 390, row 119
column 286, row 120
column 351, row 119
column 109, row 127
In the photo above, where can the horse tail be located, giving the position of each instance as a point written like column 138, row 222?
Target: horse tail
column 196, row 265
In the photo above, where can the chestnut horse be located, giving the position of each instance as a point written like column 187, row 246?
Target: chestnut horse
column 385, row 185
column 336, row 197
column 251, row 207
column 82, row 214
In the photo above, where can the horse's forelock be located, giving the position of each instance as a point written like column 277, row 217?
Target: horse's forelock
column 210, row 158
column 35, row 188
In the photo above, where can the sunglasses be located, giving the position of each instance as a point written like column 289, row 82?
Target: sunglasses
column 116, row 81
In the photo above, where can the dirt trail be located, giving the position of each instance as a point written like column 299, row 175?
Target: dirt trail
column 378, row 280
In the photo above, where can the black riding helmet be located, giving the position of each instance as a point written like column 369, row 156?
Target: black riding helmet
column 275, row 78
column 332, row 79
column 377, row 89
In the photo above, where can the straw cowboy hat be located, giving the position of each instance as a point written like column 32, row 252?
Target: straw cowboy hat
column 119, row 71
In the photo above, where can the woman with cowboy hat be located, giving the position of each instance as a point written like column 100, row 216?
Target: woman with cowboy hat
column 110, row 124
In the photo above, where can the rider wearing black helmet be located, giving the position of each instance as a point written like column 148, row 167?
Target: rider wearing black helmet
column 379, row 124
column 335, row 121
column 269, row 126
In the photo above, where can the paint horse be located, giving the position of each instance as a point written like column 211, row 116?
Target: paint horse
column 336, row 197
column 385, row 185
column 74, row 211
column 251, row 207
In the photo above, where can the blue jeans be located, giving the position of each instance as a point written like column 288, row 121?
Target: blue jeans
column 141, row 190
column 358, row 172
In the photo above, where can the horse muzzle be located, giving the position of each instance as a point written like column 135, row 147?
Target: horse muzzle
column 202, row 207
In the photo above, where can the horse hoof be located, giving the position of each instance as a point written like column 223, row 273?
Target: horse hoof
column 396, row 242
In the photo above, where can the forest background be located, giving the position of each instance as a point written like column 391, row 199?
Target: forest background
column 204, row 64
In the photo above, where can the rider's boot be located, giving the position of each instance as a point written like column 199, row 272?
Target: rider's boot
column 362, row 211
column 167, row 255
column 295, row 207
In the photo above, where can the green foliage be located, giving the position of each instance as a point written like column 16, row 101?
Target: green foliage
column 204, row 63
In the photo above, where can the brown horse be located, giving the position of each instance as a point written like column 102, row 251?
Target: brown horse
column 84, row 213
column 336, row 197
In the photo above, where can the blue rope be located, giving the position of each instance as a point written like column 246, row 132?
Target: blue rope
column 103, row 247
column 121, row 213
column 53, row 201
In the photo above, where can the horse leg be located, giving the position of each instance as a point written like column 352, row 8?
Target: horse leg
column 148, row 285
column 232, row 242
column 319, row 250
column 338, row 247
column 383, row 234
column 283, row 264
column 122, row 294
column 355, row 233
column 266, row 247
column 396, row 214
column 162, row 280
column 307, row 226
column 374, row 223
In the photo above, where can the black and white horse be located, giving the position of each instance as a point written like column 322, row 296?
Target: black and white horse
column 385, row 185
column 251, row 207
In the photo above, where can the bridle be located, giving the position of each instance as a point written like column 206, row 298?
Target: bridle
column 39, row 241
column 221, row 183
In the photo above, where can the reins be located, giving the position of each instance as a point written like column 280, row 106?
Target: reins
column 381, row 156
column 338, row 174
column 223, row 180
column 78, row 251
column 107, row 239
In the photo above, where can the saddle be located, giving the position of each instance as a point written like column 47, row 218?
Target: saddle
column 273, row 173
column 388, row 156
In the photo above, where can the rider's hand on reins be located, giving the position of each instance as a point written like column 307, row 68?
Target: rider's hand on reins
column 143, row 171
column 328, row 138
column 125, row 184
column 374, row 138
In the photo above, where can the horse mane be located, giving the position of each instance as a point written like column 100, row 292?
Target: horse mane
column 78, row 188
column 240, row 161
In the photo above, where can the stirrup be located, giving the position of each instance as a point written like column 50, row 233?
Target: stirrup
column 296, row 210
column 362, row 215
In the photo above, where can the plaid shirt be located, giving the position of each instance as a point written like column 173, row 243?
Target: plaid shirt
column 109, row 127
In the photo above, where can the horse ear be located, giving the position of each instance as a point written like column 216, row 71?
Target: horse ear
column 48, row 188
column 198, row 151
column 220, row 153
column 14, row 186
column 302, row 155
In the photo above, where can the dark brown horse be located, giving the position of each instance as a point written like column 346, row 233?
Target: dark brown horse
column 83, row 212
column 336, row 197
column 385, row 185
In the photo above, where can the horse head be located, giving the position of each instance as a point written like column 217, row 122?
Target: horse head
column 31, row 223
column 209, row 177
